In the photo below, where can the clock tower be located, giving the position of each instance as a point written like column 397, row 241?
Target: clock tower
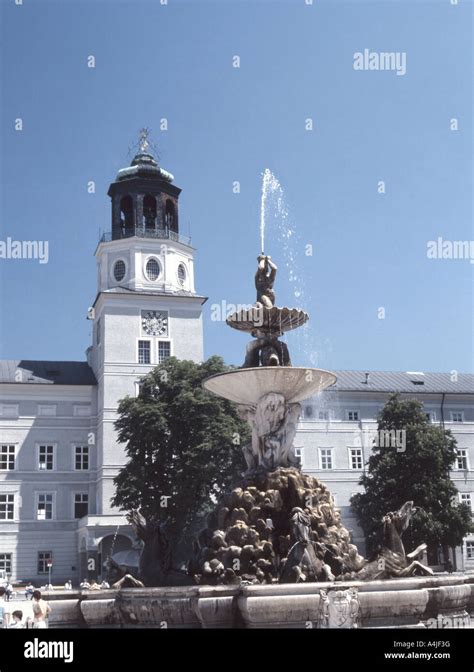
column 146, row 308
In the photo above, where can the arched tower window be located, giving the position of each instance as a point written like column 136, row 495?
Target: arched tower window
column 126, row 216
column 149, row 212
column 171, row 220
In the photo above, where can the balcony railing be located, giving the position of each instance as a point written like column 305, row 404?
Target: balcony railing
column 141, row 232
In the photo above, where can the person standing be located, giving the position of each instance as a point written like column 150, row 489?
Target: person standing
column 41, row 611
column 4, row 614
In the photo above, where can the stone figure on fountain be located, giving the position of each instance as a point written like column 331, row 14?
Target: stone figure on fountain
column 392, row 560
column 264, row 281
column 273, row 424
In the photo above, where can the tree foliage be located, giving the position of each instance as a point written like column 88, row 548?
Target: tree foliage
column 420, row 472
column 183, row 445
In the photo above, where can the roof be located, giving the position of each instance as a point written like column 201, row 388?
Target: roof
column 180, row 293
column 404, row 381
column 46, row 372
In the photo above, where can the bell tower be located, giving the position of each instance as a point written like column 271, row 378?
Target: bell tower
column 145, row 249
column 146, row 308
column 144, row 200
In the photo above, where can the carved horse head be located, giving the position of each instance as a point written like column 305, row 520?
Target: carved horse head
column 394, row 525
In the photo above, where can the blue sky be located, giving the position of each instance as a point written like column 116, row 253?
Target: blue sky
column 228, row 124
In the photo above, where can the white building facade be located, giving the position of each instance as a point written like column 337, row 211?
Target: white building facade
column 58, row 448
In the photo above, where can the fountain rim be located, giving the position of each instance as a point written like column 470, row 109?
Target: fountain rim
column 293, row 398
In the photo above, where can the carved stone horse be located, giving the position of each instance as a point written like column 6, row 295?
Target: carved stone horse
column 392, row 561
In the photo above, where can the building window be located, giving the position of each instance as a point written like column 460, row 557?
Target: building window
column 81, row 458
column 466, row 498
column 97, row 331
column 45, row 558
column 139, row 388
column 46, row 458
column 461, row 460
column 82, row 411
column 119, row 270
column 144, row 352
column 81, row 504
column 7, row 458
column 353, row 416
column 457, row 416
column 152, row 269
column 323, row 415
column 431, row 416
column 5, row 563
column 325, row 456
column 308, row 412
column 9, row 410
column 7, row 507
column 164, row 350
column 44, row 506
column 299, row 454
column 356, row 458
column 470, row 550
column 47, row 409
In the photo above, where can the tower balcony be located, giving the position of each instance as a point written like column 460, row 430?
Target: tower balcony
column 142, row 232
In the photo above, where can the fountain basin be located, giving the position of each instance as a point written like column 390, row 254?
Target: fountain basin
column 273, row 320
column 247, row 386
column 394, row 603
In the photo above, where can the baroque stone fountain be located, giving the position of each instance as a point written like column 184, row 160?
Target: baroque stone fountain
column 278, row 524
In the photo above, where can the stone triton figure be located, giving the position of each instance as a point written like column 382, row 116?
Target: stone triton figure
column 264, row 281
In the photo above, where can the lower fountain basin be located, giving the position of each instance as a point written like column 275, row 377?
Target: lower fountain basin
column 247, row 386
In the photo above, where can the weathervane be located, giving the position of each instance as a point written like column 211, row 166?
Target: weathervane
column 143, row 141
column 144, row 144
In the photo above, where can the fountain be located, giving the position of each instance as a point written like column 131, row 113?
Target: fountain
column 277, row 525
column 274, row 552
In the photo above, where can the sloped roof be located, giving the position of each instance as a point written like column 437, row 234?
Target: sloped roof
column 404, row 381
column 46, row 372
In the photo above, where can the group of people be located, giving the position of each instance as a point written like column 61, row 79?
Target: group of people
column 41, row 611
column 85, row 585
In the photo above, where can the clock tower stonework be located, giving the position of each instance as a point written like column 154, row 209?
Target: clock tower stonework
column 146, row 307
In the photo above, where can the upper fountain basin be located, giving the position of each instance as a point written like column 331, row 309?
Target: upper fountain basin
column 269, row 320
column 247, row 386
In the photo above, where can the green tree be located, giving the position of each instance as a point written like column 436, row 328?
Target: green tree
column 183, row 447
column 414, row 468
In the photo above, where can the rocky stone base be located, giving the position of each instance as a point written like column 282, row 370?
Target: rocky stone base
column 278, row 526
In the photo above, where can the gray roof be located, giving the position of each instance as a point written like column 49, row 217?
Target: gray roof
column 46, row 373
column 404, row 381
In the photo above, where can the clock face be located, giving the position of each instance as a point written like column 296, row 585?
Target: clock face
column 155, row 323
